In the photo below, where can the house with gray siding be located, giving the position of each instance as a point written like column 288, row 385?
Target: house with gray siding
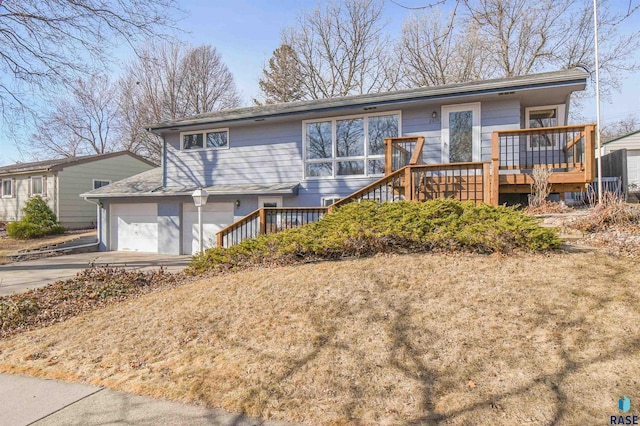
column 314, row 153
column 60, row 182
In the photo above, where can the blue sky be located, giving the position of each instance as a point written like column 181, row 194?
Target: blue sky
column 246, row 32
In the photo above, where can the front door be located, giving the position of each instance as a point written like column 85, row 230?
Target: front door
column 461, row 133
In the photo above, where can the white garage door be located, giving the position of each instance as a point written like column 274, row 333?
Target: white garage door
column 215, row 216
column 633, row 166
column 134, row 227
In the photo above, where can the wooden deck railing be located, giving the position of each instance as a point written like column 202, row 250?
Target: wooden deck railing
column 402, row 151
column 567, row 150
column 460, row 181
column 268, row 220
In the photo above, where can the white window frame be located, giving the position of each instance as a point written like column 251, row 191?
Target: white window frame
column 204, row 139
column 476, row 137
column 333, row 198
column 41, row 193
column 93, row 182
column 560, row 113
column 262, row 200
column 10, row 186
column 334, row 147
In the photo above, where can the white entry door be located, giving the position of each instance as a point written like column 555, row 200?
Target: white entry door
column 134, row 227
column 215, row 216
column 461, row 133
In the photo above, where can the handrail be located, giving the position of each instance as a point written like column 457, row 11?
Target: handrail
column 391, row 145
column 567, row 150
column 266, row 223
column 368, row 188
column 403, row 180
column 543, row 129
column 241, row 221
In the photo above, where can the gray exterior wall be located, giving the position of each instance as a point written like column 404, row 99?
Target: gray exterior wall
column 272, row 152
column 75, row 212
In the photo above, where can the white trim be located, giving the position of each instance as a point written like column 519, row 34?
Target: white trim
column 277, row 200
column 334, row 146
column 41, row 193
column 204, row 139
column 476, row 137
column 10, row 186
column 334, row 198
column 560, row 115
column 93, row 182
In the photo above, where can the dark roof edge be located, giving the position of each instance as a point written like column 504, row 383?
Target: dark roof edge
column 98, row 157
column 82, row 160
column 565, row 78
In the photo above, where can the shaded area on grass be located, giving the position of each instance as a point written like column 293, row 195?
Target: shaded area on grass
column 367, row 228
column 398, row 340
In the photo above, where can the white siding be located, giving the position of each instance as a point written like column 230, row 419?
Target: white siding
column 629, row 142
column 11, row 208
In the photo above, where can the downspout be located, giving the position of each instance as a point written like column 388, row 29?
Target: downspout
column 98, row 223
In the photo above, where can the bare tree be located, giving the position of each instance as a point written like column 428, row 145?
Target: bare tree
column 281, row 80
column 340, row 49
column 49, row 43
column 503, row 38
column 619, row 128
column 209, row 85
column 169, row 81
column 81, row 123
column 434, row 51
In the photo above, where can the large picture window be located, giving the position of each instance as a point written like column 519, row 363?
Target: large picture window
column 205, row 139
column 348, row 146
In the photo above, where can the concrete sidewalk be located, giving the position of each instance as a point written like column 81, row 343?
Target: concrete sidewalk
column 22, row 276
column 42, row 402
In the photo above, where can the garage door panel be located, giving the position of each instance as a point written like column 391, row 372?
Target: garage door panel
column 215, row 216
column 633, row 166
column 134, row 227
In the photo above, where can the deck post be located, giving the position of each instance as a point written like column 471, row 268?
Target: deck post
column 408, row 188
column 388, row 152
column 495, row 168
column 589, row 152
column 220, row 239
column 486, row 183
column 263, row 221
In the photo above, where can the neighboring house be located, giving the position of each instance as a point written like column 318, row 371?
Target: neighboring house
column 313, row 153
column 60, row 182
column 621, row 158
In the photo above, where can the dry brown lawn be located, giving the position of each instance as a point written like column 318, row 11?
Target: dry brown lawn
column 391, row 340
column 10, row 246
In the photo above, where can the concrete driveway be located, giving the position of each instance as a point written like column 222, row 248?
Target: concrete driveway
column 41, row 402
column 22, row 276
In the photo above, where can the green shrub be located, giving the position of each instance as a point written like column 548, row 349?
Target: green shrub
column 366, row 228
column 37, row 220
